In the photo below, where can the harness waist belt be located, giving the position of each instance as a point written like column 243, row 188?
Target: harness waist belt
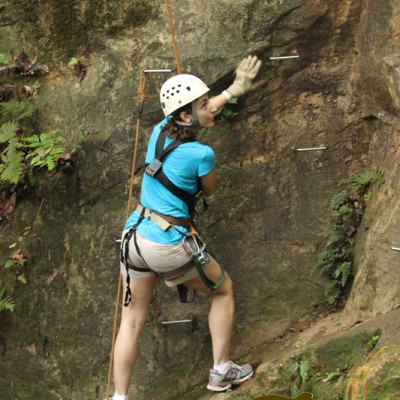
column 163, row 221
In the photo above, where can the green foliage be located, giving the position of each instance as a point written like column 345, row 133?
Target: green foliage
column 36, row 86
column 18, row 154
column 7, row 132
column 11, row 167
column 347, row 210
column 4, row 60
column 73, row 62
column 360, row 182
column 225, row 112
column 44, row 152
column 6, row 302
column 17, row 265
column 330, row 376
column 16, row 111
column 300, row 369
column 373, row 342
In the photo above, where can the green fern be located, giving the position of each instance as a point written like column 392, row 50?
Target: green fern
column 304, row 371
column 360, row 182
column 345, row 271
column 16, row 111
column 347, row 210
column 7, row 132
column 335, row 239
column 368, row 196
column 12, row 160
column 338, row 200
column 6, row 302
column 11, row 167
column 44, row 152
column 31, row 177
column 324, row 261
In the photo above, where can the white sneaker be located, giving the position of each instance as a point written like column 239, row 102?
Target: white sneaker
column 235, row 375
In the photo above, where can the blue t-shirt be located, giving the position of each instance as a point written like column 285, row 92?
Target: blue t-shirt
column 183, row 166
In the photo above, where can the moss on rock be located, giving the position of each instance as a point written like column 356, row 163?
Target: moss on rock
column 378, row 378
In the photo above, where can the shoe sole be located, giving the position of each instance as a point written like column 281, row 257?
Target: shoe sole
column 217, row 388
column 243, row 380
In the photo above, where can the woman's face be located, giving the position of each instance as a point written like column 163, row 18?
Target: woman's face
column 205, row 111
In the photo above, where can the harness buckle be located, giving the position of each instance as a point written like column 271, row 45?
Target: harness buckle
column 153, row 167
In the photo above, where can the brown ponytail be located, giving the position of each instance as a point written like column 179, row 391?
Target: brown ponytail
column 176, row 131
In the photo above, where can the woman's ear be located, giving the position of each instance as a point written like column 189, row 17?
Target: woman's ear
column 185, row 117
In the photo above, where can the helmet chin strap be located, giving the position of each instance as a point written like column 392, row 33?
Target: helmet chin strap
column 194, row 122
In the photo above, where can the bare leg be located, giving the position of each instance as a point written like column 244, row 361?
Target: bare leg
column 220, row 318
column 132, row 323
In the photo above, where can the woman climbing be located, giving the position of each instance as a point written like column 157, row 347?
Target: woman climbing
column 178, row 166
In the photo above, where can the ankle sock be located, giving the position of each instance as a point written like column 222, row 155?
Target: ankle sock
column 120, row 397
column 222, row 368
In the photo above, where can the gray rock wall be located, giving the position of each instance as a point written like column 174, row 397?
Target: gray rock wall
column 270, row 217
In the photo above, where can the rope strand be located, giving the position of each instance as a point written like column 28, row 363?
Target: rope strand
column 171, row 27
column 141, row 95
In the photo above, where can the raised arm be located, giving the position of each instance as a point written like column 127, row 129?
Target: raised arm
column 245, row 73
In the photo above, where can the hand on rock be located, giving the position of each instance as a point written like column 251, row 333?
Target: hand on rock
column 245, row 73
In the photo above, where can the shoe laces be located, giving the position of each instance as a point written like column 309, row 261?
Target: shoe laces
column 235, row 370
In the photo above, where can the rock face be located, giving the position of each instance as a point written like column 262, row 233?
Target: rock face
column 271, row 216
column 376, row 378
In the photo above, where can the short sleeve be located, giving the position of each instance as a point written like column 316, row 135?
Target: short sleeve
column 207, row 164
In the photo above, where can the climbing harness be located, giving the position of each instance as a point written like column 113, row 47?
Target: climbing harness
column 192, row 243
column 165, row 223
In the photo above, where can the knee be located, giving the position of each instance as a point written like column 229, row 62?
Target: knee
column 226, row 289
column 134, row 324
column 134, row 317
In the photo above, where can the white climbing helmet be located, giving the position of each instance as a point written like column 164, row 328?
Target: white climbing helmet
column 180, row 90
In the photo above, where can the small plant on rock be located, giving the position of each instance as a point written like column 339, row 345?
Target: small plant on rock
column 6, row 302
column 20, row 155
column 348, row 207
column 300, row 373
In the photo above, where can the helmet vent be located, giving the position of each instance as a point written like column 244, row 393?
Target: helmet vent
column 188, row 88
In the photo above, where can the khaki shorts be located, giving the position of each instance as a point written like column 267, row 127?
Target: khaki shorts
column 160, row 258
